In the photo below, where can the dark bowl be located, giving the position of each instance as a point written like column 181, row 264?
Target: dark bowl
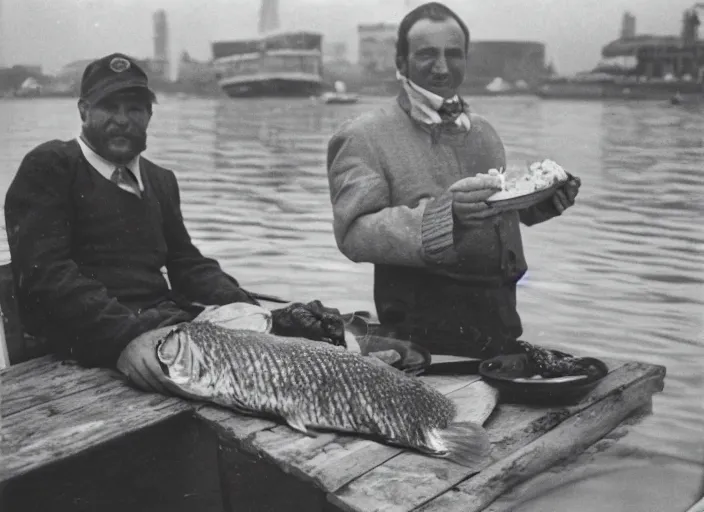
column 517, row 386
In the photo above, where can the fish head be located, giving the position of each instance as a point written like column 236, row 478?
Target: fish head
column 188, row 373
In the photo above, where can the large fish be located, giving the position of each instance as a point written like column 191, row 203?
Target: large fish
column 313, row 384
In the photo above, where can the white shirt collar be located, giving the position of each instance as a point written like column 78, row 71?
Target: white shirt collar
column 106, row 168
column 434, row 100
column 425, row 104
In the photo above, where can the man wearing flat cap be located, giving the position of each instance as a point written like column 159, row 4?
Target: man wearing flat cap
column 91, row 223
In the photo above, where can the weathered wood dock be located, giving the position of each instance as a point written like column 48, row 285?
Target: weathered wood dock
column 81, row 439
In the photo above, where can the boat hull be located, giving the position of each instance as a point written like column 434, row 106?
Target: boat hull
column 272, row 87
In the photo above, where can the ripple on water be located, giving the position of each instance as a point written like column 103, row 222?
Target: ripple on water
column 620, row 275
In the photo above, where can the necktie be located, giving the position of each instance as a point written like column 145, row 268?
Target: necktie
column 124, row 179
column 450, row 110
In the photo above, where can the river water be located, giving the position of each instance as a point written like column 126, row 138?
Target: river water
column 620, row 275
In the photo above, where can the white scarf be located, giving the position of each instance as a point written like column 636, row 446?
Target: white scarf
column 425, row 104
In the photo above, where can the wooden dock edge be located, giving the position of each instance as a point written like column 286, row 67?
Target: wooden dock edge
column 567, row 439
column 570, row 436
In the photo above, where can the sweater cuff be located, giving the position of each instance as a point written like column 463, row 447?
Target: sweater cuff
column 437, row 231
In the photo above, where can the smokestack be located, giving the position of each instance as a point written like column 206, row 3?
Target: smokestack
column 628, row 26
column 268, row 16
column 161, row 42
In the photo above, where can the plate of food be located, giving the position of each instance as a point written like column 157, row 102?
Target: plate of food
column 525, row 187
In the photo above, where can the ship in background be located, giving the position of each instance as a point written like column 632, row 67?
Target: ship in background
column 273, row 64
column 641, row 67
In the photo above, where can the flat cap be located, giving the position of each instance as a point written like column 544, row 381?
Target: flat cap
column 110, row 74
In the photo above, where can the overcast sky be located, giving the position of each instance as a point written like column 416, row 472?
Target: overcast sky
column 54, row 32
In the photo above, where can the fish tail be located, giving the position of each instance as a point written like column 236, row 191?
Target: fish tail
column 465, row 443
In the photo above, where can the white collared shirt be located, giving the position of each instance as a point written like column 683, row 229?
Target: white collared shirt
column 106, row 168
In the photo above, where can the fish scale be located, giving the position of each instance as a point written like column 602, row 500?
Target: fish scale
column 315, row 385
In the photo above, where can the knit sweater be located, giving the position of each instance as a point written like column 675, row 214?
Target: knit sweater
column 389, row 177
column 87, row 256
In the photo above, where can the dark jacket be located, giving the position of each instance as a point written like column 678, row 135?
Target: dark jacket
column 87, row 256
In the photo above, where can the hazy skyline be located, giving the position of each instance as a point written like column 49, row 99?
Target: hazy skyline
column 52, row 33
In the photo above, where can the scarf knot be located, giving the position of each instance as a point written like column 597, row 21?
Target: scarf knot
column 450, row 110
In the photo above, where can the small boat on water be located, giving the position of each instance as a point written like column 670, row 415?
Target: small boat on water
column 340, row 96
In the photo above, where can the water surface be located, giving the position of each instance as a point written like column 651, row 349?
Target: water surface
column 620, row 275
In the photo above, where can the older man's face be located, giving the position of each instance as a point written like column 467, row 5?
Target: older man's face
column 437, row 60
column 116, row 126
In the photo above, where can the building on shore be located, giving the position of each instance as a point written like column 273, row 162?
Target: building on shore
column 377, row 47
column 334, row 51
column 21, row 76
column 509, row 61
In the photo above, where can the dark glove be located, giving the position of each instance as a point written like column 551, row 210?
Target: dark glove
column 313, row 321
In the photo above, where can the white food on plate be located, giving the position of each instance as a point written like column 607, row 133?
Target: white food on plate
column 539, row 176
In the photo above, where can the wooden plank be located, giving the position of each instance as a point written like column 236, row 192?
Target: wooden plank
column 26, row 369
column 330, row 460
column 231, row 425
column 40, row 435
column 410, row 479
column 46, row 379
column 569, row 438
column 419, row 468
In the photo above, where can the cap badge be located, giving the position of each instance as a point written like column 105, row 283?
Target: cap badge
column 118, row 64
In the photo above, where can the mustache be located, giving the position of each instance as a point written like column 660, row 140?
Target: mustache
column 129, row 132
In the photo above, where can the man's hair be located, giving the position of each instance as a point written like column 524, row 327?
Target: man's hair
column 433, row 11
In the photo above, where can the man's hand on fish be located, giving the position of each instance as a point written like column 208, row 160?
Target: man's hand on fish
column 469, row 197
column 138, row 361
column 312, row 321
column 566, row 195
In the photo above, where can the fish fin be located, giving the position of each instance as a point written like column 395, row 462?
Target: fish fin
column 297, row 424
column 466, row 443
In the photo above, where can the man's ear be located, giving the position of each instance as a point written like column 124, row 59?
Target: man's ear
column 83, row 107
column 402, row 65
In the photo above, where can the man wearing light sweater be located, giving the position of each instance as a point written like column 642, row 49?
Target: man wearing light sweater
column 408, row 185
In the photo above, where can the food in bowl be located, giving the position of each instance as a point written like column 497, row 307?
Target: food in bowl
column 538, row 176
